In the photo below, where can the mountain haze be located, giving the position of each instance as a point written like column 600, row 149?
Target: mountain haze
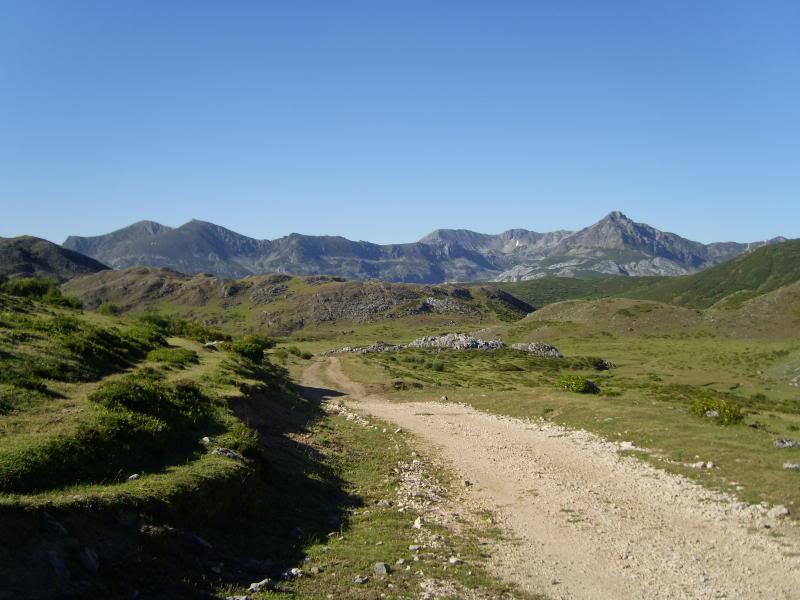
column 614, row 245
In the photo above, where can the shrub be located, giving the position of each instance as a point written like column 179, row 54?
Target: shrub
column 146, row 334
column 174, row 404
column 721, row 411
column 251, row 347
column 306, row 356
column 576, row 383
column 108, row 308
column 174, row 356
column 45, row 290
column 28, row 287
column 169, row 325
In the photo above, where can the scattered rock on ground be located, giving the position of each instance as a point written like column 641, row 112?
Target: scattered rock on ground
column 785, row 443
column 358, row 580
column 778, row 512
column 382, row 568
column 263, row 585
column 229, row 453
column 791, row 466
column 539, row 349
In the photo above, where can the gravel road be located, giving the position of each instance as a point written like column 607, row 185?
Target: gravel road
column 584, row 521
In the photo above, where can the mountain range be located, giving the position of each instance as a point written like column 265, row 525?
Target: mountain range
column 614, row 245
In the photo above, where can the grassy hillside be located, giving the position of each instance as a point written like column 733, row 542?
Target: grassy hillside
column 733, row 282
column 138, row 462
column 29, row 256
column 547, row 290
column 282, row 304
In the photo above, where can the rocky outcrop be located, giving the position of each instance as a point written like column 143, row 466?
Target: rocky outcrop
column 456, row 341
column 539, row 349
column 376, row 347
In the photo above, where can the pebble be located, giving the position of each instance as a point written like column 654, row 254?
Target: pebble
column 358, row 580
column 382, row 569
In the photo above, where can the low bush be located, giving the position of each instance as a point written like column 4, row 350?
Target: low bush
column 576, row 383
column 139, row 424
column 44, row 290
column 251, row 347
column 109, row 308
column 173, row 326
column 719, row 410
column 179, row 357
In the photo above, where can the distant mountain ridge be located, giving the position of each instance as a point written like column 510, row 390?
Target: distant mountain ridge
column 614, row 245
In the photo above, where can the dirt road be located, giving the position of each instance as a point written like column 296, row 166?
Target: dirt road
column 587, row 522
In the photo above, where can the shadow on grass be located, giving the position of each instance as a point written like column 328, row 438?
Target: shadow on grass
column 301, row 497
column 249, row 529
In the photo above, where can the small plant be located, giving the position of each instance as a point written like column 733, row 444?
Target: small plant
column 720, row 410
column 576, row 383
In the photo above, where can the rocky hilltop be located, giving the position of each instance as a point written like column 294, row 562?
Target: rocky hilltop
column 614, row 245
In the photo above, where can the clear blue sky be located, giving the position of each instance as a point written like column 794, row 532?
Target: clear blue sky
column 382, row 120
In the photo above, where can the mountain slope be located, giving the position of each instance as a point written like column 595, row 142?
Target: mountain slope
column 615, row 245
column 30, row 256
column 281, row 303
column 752, row 274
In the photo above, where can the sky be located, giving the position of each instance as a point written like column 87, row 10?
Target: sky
column 383, row 120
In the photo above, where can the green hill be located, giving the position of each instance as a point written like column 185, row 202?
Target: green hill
column 745, row 277
column 547, row 290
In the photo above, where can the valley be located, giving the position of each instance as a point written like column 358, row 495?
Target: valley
column 176, row 435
